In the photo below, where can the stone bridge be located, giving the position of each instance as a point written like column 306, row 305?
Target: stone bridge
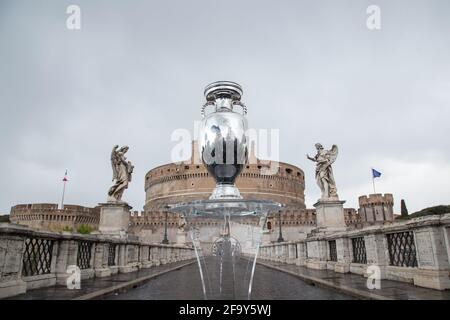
column 412, row 259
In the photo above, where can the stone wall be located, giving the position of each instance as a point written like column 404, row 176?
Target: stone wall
column 47, row 216
column 295, row 224
column 32, row 259
column 415, row 251
column 376, row 208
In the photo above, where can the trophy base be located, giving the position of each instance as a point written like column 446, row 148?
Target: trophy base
column 225, row 191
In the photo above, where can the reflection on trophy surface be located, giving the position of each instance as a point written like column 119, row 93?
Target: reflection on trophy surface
column 223, row 140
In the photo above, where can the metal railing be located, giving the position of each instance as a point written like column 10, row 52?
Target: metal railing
column 37, row 257
column 333, row 251
column 402, row 249
column 112, row 254
column 359, row 250
column 84, row 254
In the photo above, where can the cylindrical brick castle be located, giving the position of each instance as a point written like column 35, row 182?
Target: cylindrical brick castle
column 172, row 183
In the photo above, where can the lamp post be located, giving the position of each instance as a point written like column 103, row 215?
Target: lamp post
column 280, row 235
column 165, row 240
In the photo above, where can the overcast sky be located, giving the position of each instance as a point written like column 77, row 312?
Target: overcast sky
column 136, row 70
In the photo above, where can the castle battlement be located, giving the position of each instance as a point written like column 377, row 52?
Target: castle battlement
column 376, row 207
column 376, row 198
column 49, row 216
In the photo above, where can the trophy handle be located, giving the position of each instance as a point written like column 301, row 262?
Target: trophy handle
column 243, row 106
column 209, row 103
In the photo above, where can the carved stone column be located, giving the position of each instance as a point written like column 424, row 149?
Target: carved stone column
column 157, row 255
column 101, row 260
column 317, row 254
column 376, row 252
column 291, row 253
column 343, row 255
column 432, row 258
column 67, row 256
column 11, row 253
column 301, row 252
column 145, row 256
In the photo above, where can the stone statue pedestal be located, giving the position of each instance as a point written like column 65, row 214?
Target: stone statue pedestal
column 265, row 237
column 181, row 237
column 330, row 214
column 114, row 218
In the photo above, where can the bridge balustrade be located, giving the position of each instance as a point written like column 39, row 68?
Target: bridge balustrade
column 32, row 259
column 415, row 251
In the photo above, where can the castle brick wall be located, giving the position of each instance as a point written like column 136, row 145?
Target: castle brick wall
column 47, row 216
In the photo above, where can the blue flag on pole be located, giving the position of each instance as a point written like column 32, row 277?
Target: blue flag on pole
column 376, row 173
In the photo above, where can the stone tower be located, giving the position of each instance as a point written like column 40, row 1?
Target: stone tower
column 376, row 208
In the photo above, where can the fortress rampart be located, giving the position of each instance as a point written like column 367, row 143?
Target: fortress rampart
column 48, row 216
column 376, row 208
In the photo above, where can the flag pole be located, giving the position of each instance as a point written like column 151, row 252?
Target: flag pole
column 63, row 193
column 64, row 190
column 373, row 182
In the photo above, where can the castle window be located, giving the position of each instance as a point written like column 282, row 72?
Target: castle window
column 186, row 167
column 289, row 171
column 198, row 167
column 299, row 174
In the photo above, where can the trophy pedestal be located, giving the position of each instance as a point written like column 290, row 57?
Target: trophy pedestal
column 225, row 191
column 114, row 218
column 330, row 214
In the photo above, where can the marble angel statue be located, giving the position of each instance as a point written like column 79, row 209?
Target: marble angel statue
column 324, row 172
column 122, row 170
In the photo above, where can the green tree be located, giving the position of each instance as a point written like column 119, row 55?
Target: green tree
column 403, row 209
column 84, row 229
column 67, row 228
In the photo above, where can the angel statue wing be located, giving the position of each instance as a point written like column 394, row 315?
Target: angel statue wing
column 333, row 153
column 130, row 168
column 114, row 162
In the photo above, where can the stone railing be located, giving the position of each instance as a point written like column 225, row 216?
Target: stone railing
column 415, row 251
column 32, row 259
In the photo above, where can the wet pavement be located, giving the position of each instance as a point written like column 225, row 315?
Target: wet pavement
column 185, row 283
column 181, row 281
column 95, row 286
column 356, row 285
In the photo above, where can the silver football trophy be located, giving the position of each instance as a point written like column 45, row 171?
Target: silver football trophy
column 236, row 224
column 223, row 140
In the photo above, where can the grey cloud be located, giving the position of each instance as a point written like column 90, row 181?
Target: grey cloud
column 136, row 71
